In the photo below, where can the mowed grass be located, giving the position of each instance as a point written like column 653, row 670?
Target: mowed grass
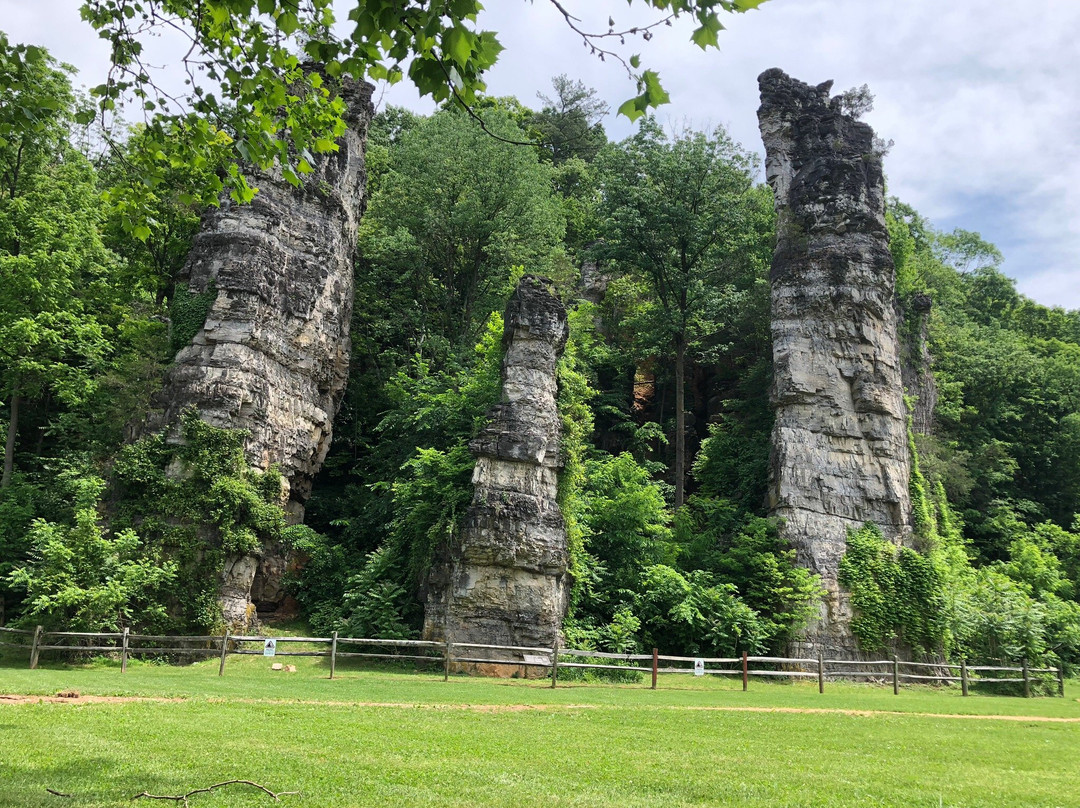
column 386, row 738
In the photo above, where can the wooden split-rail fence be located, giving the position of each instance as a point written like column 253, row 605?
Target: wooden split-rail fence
column 450, row 655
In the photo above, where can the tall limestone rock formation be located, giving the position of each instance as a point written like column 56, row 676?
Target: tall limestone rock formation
column 839, row 445
column 272, row 356
column 505, row 582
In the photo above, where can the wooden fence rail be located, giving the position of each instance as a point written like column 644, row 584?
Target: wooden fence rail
column 448, row 654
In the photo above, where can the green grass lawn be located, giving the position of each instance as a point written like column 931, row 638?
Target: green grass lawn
column 389, row 738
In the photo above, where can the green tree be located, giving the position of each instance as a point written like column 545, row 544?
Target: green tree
column 167, row 222
column 43, row 229
column 678, row 211
column 692, row 614
column 747, row 553
column 568, row 125
column 51, row 260
column 626, row 528
column 455, row 212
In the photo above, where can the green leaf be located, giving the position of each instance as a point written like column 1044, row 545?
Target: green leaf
column 287, row 23
column 654, row 94
column 458, row 44
column 488, row 49
column 632, row 108
column 705, row 37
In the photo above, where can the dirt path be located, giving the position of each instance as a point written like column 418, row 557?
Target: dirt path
column 73, row 697
column 875, row 713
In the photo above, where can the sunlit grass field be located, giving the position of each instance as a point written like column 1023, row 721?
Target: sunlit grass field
column 393, row 737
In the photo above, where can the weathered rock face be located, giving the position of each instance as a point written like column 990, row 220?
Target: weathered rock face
column 506, row 581
column 594, row 281
column 840, row 450
column 915, row 365
column 272, row 356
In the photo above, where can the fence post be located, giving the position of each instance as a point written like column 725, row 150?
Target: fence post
column 745, row 672
column 895, row 675
column 446, row 660
column 655, row 666
column 555, row 661
column 333, row 654
column 124, row 651
column 224, row 650
column 1027, row 679
column 963, row 677
column 820, row 672
column 1061, row 680
column 34, row 652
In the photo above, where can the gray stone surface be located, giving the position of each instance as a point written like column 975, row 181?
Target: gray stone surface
column 272, row 357
column 505, row 581
column 839, row 445
column 915, row 365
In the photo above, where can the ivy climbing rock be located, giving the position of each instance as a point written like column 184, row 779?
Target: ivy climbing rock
column 839, row 445
column 505, row 580
column 271, row 354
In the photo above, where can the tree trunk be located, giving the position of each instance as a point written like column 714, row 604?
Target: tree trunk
column 680, row 422
column 9, row 450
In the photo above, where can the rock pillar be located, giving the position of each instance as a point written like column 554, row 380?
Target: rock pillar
column 839, row 445
column 505, row 581
column 272, row 356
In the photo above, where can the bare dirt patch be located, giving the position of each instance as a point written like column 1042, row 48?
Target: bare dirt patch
column 74, row 697
column 397, row 705
column 875, row 713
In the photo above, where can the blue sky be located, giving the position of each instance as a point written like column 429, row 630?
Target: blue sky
column 981, row 98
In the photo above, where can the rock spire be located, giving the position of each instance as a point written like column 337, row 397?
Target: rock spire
column 839, row 444
column 505, row 581
column 272, row 356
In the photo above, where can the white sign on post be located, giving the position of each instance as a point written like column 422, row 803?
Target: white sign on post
column 270, row 648
column 699, row 667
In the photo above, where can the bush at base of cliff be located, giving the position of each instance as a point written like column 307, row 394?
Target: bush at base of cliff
column 147, row 551
column 82, row 578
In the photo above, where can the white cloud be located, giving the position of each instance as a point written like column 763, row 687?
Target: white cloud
column 980, row 98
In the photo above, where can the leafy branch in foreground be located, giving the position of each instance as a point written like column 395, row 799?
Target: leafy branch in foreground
column 244, row 71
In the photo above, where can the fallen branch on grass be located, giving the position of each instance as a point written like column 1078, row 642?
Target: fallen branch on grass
column 58, row 793
column 183, row 798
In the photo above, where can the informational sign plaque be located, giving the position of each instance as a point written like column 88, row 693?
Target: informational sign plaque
column 699, row 667
column 270, row 648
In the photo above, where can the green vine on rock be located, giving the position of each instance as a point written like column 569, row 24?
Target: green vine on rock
column 897, row 593
column 187, row 315
column 923, row 511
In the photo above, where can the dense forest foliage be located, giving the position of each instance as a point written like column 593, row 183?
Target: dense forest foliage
column 661, row 246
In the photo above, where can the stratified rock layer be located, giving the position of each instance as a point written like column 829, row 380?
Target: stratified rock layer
column 839, row 445
column 505, row 582
column 916, row 364
column 272, row 356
